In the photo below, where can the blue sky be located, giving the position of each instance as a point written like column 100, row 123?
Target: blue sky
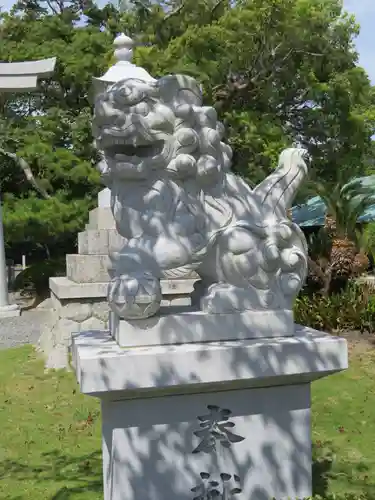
column 364, row 11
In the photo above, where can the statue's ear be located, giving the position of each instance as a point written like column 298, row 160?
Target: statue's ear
column 180, row 89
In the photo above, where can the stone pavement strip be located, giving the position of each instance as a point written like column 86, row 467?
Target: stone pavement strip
column 24, row 329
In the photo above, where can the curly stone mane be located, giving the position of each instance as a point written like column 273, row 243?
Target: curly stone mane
column 199, row 152
column 170, row 111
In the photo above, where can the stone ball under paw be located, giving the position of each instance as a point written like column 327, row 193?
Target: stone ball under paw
column 135, row 297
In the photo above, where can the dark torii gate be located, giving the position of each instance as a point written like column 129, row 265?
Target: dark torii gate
column 17, row 77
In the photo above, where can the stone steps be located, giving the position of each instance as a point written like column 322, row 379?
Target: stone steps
column 87, row 268
column 99, row 242
column 66, row 289
column 80, row 298
column 101, row 218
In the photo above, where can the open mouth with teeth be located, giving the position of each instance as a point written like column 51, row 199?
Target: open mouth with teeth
column 121, row 150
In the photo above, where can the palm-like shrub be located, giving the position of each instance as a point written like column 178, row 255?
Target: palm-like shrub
column 335, row 252
column 345, row 203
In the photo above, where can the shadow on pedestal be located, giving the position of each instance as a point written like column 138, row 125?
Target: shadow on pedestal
column 254, row 394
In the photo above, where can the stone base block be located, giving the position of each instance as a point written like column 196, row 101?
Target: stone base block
column 82, row 306
column 101, row 218
column 64, row 288
column 100, row 242
column 174, row 292
column 83, row 268
column 177, row 288
column 103, row 367
column 253, row 442
column 104, row 198
column 71, row 316
column 182, row 325
column 230, row 419
column 87, row 268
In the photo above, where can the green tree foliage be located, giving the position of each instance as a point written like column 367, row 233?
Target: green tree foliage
column 277, row 71
column 50, row 130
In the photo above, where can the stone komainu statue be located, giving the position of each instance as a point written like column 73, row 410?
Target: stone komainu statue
column 179, row 205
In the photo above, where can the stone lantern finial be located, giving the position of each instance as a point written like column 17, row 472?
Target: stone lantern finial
column 123, row 68
column 123, row 48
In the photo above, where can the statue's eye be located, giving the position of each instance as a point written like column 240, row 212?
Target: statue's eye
column 128, row 95
column 142, row 108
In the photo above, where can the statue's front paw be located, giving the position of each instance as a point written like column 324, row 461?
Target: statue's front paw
column 135, row 296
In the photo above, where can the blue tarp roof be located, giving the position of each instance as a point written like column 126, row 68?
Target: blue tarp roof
column 313, row 212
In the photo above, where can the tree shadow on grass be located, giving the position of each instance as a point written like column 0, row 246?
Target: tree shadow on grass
column 80, row 474
column 324, row 475
column 321, row 469
column 70, row 474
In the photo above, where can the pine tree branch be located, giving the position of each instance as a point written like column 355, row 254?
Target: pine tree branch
column 181, row 7
column 27, row 171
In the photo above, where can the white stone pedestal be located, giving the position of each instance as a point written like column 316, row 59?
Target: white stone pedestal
column 231, row 416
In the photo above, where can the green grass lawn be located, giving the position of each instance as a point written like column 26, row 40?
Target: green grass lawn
column 344, row 429
column 50, row 434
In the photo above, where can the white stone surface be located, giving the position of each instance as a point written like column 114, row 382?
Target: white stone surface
column 148, row 445
column 81, row 306
column 65, row 288
column 166, row 410
column 65, row 328
column 23, row 76
column 93, row 241
column 177, row 286
column 87, row 268
column 99, row 242
column 79, row 311
column 7, row 310
column 101, row 218
column 123, row 68
column 100, row 310
column 93, row 324
column 46, row 304
column 71, row 315
column 180, row 302
column 104, row 198
column 25, row 83
column 102, row 366
column 115, row 241
column 185, row 326
column 57, row 358
column 41, row 68
column 138, row 297
column 10, row 311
